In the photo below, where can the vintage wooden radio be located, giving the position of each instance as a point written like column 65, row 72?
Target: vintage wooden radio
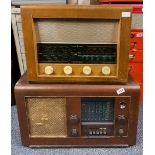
column 76, row 43
column 77, row 114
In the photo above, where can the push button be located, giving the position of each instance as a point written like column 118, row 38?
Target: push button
column 122, row 105
column 94, row 132
column 121, row 132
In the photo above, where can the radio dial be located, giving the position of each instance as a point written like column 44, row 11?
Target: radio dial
column 86, row 70
column 106, row 70
column 48, row 70
column 68, row 70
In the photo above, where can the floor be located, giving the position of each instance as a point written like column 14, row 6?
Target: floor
column 18, row 149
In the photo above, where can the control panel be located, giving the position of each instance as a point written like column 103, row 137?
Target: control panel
column 104, row 116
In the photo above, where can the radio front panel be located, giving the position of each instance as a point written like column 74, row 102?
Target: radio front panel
column 77, row 116
column 76, row 43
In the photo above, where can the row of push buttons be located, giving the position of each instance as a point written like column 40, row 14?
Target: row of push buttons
column 100, row 131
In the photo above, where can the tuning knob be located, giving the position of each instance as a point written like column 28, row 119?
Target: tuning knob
column 73, row 119
column 106, row 70
column 74, row 132
column 122, row 105
column 121, row 132
column 122, row 120
column 86, row 70
column 68, row 70
column 48, row 70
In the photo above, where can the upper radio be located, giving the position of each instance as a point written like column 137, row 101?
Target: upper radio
column 76, row 43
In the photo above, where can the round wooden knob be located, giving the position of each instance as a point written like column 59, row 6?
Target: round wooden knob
column 48, row 70
column 87, row 70
column 68, row 70
column 106, row 70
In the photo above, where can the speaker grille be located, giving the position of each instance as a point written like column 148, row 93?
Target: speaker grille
column 46, row 116
column 76, row 31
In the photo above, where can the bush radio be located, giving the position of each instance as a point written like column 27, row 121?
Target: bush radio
column 77, row 115
column 76, row 43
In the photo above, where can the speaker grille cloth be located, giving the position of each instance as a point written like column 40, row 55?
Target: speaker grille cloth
column 137, row 21
column 76, row 31
column 46, row 116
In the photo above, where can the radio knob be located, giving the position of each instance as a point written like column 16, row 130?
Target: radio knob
column 94, row 132
column 86, row 70
column 122, row 105
column 73, row 119
column 97, row 132
column 106, row 70
column 120, row 132
column 122, row 120
column 74, row 132
column 68, row 70
column 48, row 70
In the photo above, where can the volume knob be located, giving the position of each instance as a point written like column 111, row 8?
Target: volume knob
column 122, row 120
column 120, row 132
column 68, row 70
column 48, row 70
column 106, row 70
column 74, row 132
column 86, row 70
column 73, row 119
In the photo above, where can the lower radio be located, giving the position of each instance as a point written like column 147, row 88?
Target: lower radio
column 67, row 115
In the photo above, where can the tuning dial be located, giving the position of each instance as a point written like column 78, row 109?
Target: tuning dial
column 106, row 70
column 122, row 120
column 73, row 119
column 68, row 70
column 48, row 70
column 86, row 70
column 74, row 132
